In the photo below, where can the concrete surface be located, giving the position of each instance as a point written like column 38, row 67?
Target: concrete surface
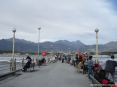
column 53, row 75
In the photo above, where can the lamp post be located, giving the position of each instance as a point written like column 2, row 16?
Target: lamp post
column 39, row 40
column 13, row 51
column 96, row 31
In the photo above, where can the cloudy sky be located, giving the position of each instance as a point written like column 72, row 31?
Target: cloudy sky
column 59, row 20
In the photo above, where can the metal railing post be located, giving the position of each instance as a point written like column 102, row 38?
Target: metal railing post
column 22, row 62
column 14, row 64
column 10, row 65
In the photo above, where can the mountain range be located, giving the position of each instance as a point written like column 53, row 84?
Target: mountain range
column 60, row 45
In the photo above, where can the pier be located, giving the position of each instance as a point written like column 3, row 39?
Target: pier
column 53, row 75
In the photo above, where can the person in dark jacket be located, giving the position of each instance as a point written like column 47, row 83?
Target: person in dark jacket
column 77, row 59
column 110, row 68
column 27, row 65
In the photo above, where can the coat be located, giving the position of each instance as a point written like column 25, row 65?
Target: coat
column 110, row 66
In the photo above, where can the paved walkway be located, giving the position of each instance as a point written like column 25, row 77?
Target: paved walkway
column 53, row 75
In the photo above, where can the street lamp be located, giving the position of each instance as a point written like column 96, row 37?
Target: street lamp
column 13, row 51
column 13, row 43
column 39, row 40
column 96, row 31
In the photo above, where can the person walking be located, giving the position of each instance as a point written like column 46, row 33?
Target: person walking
column 85, row 65
column 90, row 66
column 110, row 67
column 62, row 59
column 77, row 60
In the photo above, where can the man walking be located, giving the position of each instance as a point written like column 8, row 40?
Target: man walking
column 110, row 67
column 90, row 66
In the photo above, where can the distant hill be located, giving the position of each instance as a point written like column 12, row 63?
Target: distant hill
column 112, row 46
column 20, row 45
column 61, row 45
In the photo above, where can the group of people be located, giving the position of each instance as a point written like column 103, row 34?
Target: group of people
column 88, row 65
column 93, row 68
column 66, row 59
column 31, row 64
column 109, row 69
column 103, row 75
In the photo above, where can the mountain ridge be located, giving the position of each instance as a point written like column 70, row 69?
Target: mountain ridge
column 22, row 45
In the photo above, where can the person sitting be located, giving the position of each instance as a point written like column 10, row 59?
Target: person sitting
column 97, row 67
column 27, row 65
column 100, row 76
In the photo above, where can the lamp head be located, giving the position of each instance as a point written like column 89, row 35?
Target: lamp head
column 14, row 30
column 39, row 28
column 96, row 30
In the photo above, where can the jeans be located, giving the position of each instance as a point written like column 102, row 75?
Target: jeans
column 90, row 72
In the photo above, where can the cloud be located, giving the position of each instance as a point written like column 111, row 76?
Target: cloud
column 59, row 19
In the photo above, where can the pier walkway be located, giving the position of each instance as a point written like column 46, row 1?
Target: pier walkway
column 52, row 75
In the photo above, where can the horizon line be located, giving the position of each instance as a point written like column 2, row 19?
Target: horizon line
column 58, row 40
